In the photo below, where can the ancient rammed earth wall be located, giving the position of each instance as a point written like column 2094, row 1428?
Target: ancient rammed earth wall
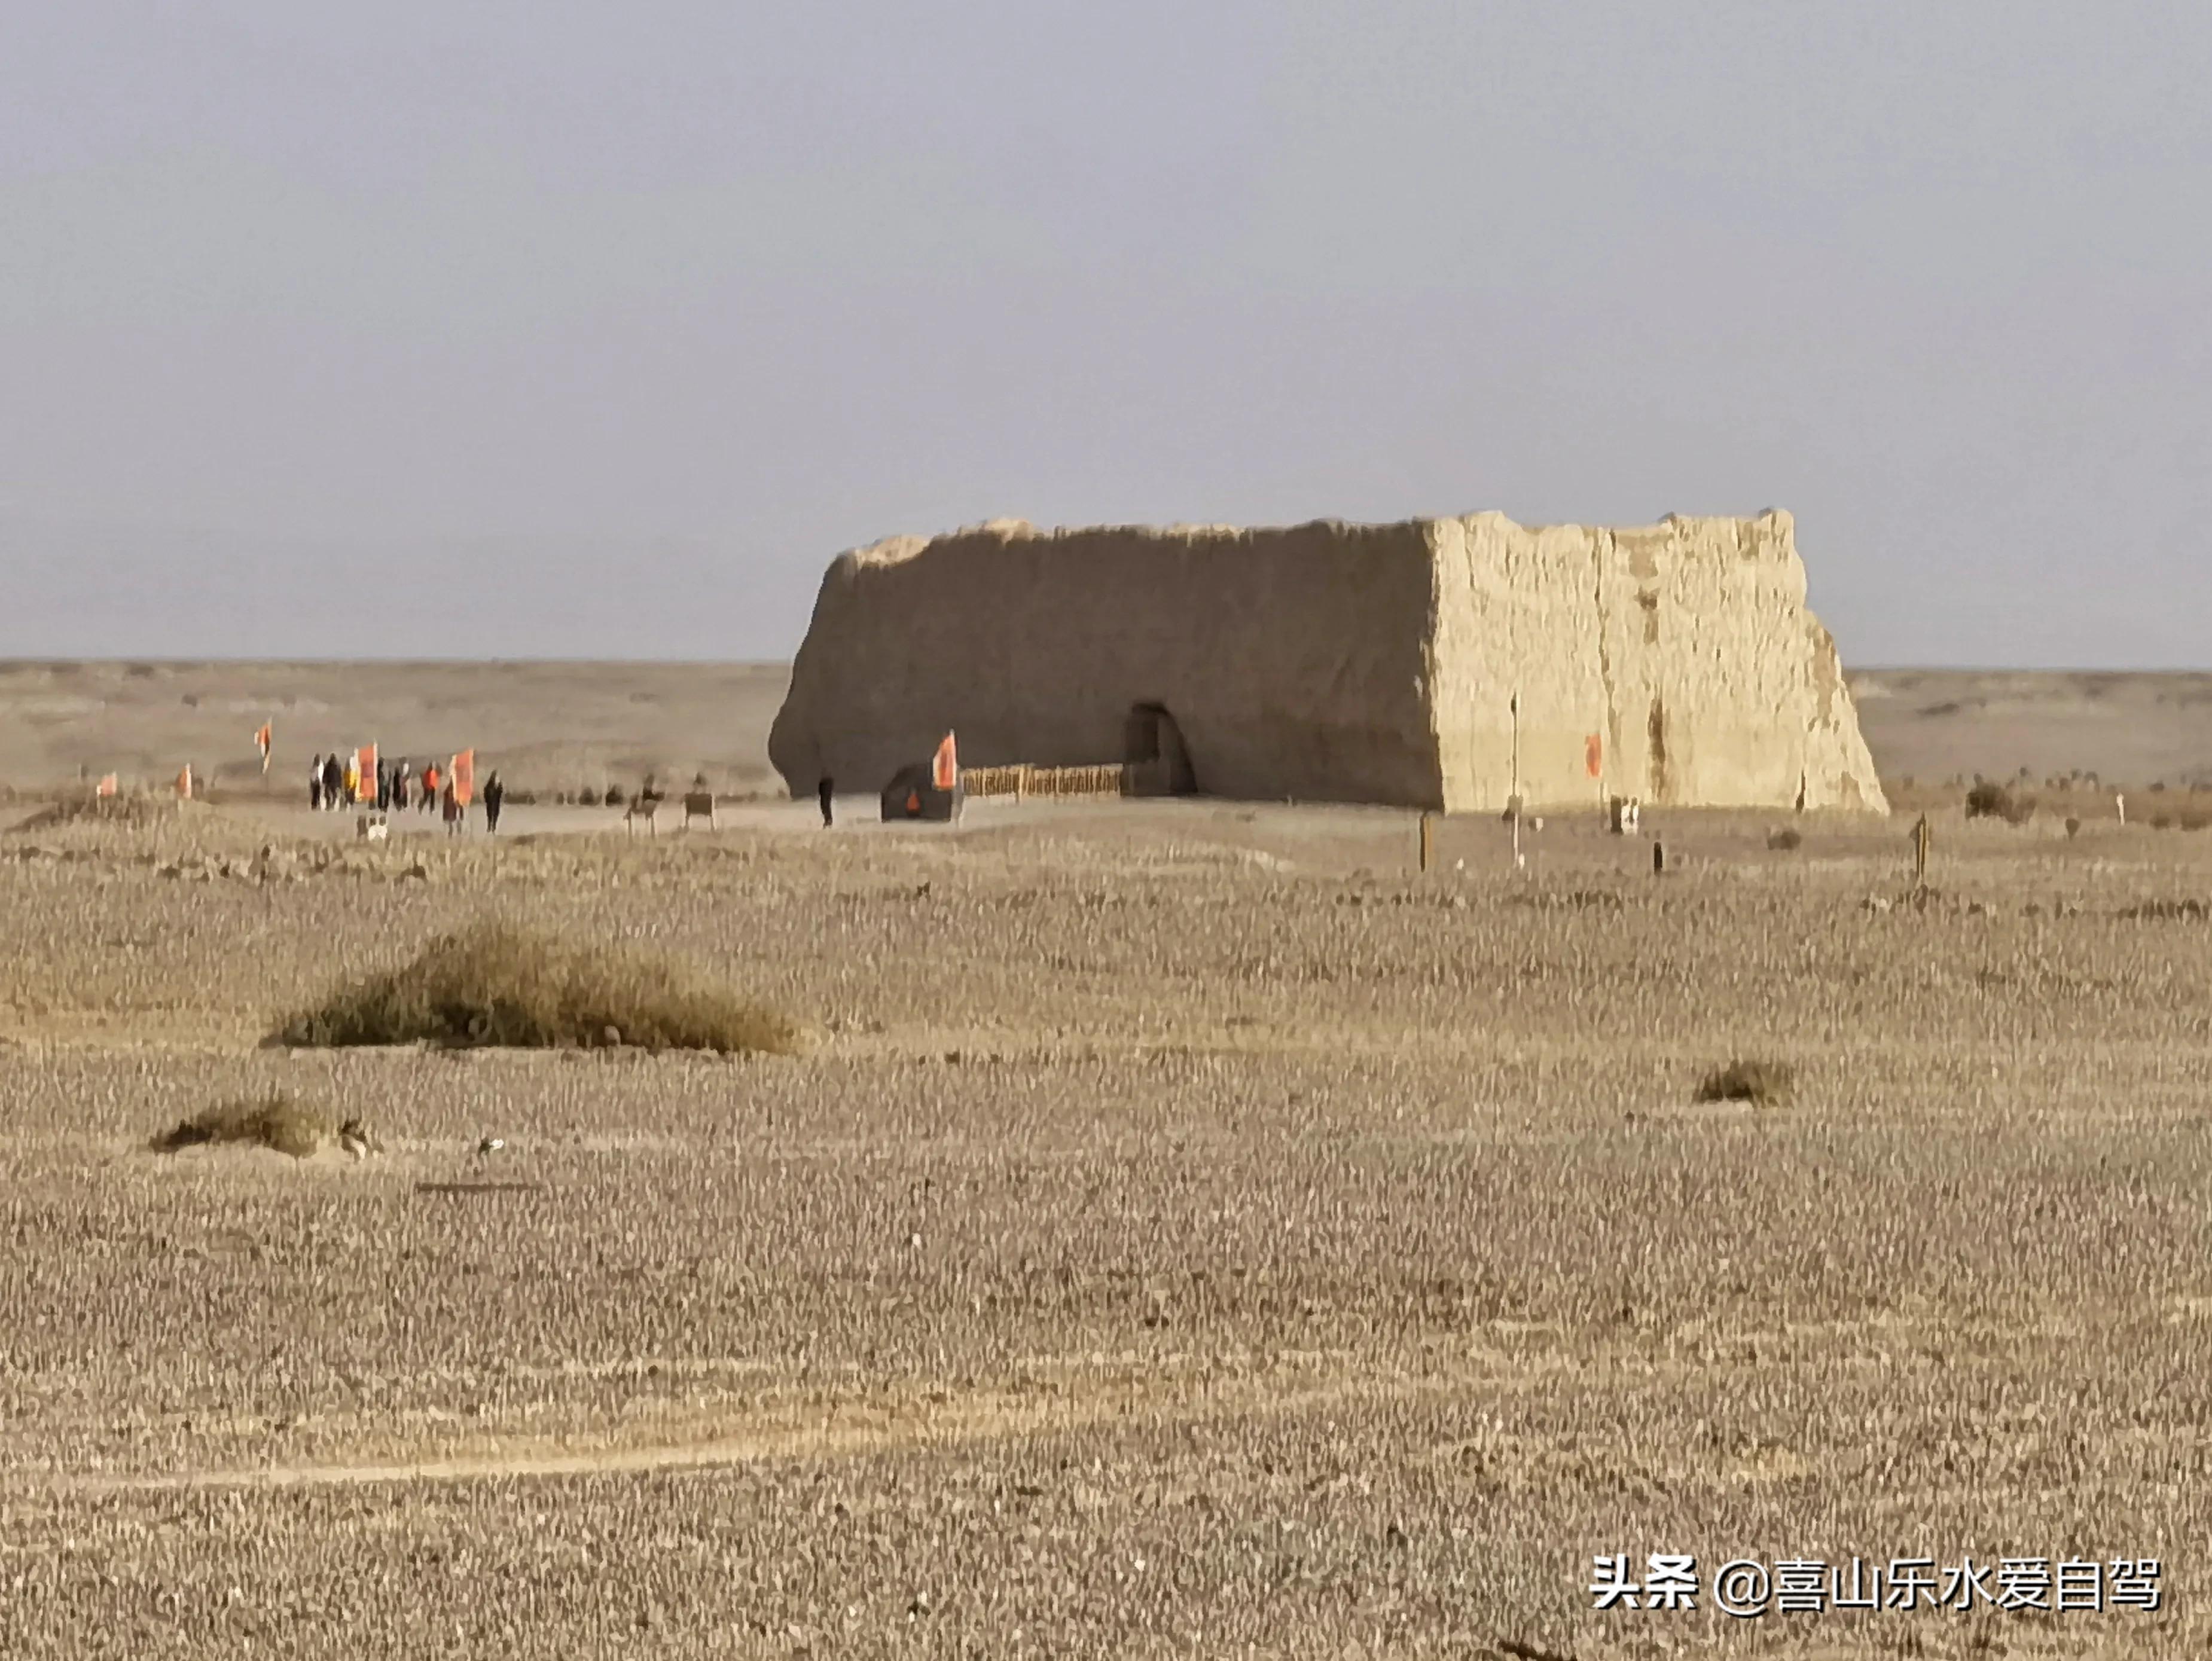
column 1289, row 659
column 1331, row 662
column 1684, row 648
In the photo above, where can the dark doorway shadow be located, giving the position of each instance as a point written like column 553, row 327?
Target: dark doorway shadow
column 1157, row 759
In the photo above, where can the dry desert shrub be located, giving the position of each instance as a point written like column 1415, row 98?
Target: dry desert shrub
column 1988, row 801
column 493, row 984
column 276, row 1120
column 1762, row 1083
column 1785, row 840
column 2167, row 911
column 1579, row 899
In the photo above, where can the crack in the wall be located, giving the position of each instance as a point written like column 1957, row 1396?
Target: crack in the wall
column 1611, row 723
column 1466, row 570
column 1438, row 682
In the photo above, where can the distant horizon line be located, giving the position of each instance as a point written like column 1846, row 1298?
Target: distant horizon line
column 377, row 660
column 133, row 659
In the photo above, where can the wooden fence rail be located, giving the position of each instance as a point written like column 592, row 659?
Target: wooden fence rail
column 1022, row 779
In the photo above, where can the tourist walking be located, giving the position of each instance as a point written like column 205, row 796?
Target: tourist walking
column 332, row 777
column 399, row 777
column 431, row 781
column 450, row 805
column 493, row 794
column 824, row 793
column 349, row 777
column 315, row 784
column 383, row 785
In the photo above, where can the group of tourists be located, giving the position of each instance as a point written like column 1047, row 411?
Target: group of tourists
column 335, row 781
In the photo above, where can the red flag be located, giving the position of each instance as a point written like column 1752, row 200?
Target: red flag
column 945, row 775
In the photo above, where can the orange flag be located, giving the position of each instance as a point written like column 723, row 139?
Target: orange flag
column 262, row 740
column 106, row 785
column 463, row 772
column 946, row 773
column 364, row 763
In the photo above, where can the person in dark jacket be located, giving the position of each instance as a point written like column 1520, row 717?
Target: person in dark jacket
column 333, row 778
column 493, row 794
column 825, row 792
column 315, row 784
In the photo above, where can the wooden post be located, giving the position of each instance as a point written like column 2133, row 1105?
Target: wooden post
column 1514, row 793
column 1428, row 839
column 1513, row 798
column 1923, row 838
column 1658, row 857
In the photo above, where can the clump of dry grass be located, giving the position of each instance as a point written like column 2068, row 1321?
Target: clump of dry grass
column 1762, row 1083
column 2169, row 911
column 1988, row 801
column 1788, row 839
column 493, row 984
column 1579, row 899
column 276, row 1120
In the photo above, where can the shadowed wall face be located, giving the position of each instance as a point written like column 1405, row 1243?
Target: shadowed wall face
column 1287, row 661
column 1345, row 663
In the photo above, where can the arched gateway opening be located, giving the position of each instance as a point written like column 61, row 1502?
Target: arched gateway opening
column 1157, row 759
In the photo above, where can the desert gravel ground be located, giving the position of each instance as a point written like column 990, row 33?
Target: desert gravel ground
column 1192, row 1232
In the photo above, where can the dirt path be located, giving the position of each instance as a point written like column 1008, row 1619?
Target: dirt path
column 1068, row 1398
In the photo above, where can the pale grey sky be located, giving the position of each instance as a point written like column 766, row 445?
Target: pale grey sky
column 553, row 330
